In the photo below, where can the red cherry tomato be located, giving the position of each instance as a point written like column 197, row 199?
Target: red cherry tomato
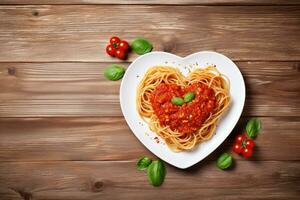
column 240, row 138
column 237, row 148
column 114, row 40
column 247, row 152
column 124, row 45
column 110, row 50
column 249, row 144
column 120, row 54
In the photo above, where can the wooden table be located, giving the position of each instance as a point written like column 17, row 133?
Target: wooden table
column 63, row 136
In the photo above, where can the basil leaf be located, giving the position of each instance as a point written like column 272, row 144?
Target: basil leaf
column 141, row 46
column 156, row 173
column 253, row 127
column 114, row 72
column 224, row 161
column 177, row 101
column 143, row 163
column 188, row 97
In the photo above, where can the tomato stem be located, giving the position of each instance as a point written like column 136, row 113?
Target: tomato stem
column 115, row 45
column 244, row 143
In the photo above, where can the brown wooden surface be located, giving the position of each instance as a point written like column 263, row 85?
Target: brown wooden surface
column 159, row 2
column 63, row 136
column 81, row 32
column 95, row 139
column 120, row 180
column 80, row 89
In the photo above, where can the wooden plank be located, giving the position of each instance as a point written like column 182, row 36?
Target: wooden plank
column 121, row 180
column 32, row 139
column 154, row 2
column 80, row 89
column 80, row 33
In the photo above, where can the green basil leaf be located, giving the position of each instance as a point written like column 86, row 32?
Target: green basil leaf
column 253, row 127
column 114, row 72
column 143, row 163
column 141, row 46
column 177, row 101
column 188, row 97
column 156, row 173
column 224, row 161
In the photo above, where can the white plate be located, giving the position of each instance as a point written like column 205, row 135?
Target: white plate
column 134, row 75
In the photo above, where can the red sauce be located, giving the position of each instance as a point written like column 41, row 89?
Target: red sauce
column 189, row 117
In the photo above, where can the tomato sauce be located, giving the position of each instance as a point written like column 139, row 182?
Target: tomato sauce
column 189, row 117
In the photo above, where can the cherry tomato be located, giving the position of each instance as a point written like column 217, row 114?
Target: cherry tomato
column 124, row 45
column 120, row 54
column 240, row 138
column 114, row 40
column 110, row 50
column 249, row 144
column 247, row 152
column 237, row 148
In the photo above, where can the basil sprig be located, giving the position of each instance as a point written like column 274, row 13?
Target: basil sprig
column 143, row 163
column 156, row 170
column 156, row 173
column 188, row 97
column 177, row 101
column 141, row 46
column 224, row 161
column 253, row 127
column 114, row 72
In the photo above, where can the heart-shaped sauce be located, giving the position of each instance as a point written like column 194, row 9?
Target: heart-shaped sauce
column 189, row 117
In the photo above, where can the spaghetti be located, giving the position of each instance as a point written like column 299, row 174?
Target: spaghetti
column 183, row 127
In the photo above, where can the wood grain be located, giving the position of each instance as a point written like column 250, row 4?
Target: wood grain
column 62, row 132
column 33, row 139
column 121, row 180
column 80, row 89
column 159, row 2
column 81, row 32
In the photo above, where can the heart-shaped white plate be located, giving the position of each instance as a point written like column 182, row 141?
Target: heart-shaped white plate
column 134, row 75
